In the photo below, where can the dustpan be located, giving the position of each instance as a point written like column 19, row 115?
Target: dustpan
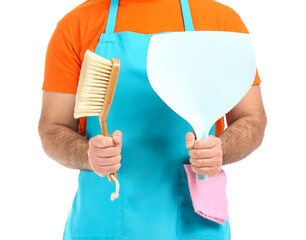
column 201, row 75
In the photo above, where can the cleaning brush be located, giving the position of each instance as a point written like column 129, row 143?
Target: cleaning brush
column 95, row 93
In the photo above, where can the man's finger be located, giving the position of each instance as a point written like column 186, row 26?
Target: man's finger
column 110, row 161
column 206, row 143
column 202, row 162
column 107, row 152
column 203, row 170
column 117, row 136
column 102, row 171
column 202, row 153
column 189, row 139
column 102, row 141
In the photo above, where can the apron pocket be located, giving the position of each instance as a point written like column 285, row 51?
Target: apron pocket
column 189, row 223
column 93, row 214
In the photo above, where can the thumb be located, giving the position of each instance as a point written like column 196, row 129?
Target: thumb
column 117, row 136
column 190, row 137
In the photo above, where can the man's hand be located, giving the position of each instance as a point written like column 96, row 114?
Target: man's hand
column 205, row 155
column 104, row 153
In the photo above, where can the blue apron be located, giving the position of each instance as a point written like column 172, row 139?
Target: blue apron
column 154, row 201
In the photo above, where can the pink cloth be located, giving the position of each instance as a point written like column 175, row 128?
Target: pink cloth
column 208, row 196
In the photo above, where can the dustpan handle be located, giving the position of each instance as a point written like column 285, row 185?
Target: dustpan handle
column 202, row 177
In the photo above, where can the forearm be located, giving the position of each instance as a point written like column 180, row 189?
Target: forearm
column 65, row 146
column 242, row 137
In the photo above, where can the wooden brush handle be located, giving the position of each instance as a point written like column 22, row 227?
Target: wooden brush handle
column 108, row 101
column 105, row 133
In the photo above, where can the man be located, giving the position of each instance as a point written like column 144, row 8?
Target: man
column 63, row 137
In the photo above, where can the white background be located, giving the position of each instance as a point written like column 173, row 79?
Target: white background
column 266, row 191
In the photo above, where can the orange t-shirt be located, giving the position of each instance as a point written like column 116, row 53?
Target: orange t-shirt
column 81, row 28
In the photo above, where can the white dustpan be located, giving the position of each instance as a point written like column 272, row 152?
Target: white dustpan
column 201, row 75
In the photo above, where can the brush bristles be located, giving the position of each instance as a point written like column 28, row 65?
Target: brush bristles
column 93, row 82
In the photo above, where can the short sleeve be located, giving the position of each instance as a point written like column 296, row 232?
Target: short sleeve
column 62, row 63
column 257, row 79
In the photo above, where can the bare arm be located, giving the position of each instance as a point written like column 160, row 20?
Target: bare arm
column 62, row 142
column 246, row 125
column 58, row 131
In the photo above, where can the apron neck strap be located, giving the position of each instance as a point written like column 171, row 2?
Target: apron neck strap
column 113, row 9
column 186, row 15
column 112, row 15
